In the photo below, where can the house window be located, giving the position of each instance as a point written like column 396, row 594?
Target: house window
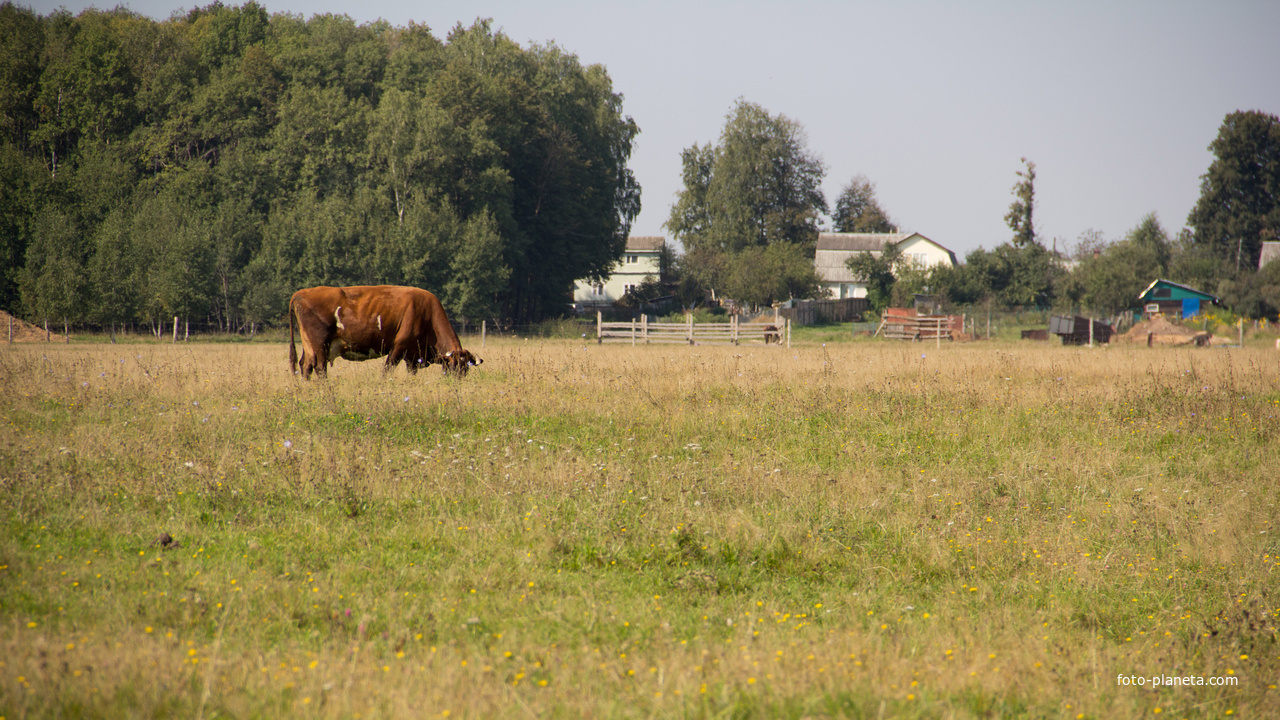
column 597, row 290
column 1162, row 292
column 919, row 259
column 633, row 259
column 628, row 289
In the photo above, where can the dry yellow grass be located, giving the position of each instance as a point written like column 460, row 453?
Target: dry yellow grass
column 574, row 530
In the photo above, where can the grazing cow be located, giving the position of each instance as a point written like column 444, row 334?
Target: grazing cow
column 366, row 322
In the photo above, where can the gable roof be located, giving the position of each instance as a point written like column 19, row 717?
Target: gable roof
column 859, row 242
column 645, row 243
column 1179, row 286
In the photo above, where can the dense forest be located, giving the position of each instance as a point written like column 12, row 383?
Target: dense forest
column 208, row 165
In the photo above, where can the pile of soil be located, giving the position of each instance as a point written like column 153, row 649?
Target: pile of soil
column 25, row 331
column 1160, row 331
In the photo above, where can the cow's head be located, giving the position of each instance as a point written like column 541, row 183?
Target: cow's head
column 458, row 362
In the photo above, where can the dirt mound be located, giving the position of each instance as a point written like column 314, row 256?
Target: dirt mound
column 25, row 331
column 1159, row 330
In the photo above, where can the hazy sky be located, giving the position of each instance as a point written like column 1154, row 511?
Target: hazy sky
column 935, row 102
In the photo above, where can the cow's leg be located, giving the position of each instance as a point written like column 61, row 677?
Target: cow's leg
column 393, row 359
column 320, row 353
column 407, row 348
column 313, row 347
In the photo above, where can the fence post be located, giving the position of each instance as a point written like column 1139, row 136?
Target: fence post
column 484, row 327
column 599, row 331
column 644, row 327
column 788, row 333
column 633, row 331
column 1090, row 331
column 175, row 328
column 734, row 318
column 10, row 329
column 689, row 320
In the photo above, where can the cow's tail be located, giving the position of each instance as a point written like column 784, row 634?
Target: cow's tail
column 293, row 349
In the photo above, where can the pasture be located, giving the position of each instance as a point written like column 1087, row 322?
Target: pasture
column 861, row 530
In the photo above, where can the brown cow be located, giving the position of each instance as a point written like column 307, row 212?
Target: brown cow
column 366, row 322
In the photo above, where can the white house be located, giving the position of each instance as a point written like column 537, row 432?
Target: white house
column 835, row 248
column 639, row 260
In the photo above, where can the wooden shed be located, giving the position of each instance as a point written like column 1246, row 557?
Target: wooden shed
column 1165, row 297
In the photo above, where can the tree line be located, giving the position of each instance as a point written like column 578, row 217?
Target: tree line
column 752, row 207
column 208, row 165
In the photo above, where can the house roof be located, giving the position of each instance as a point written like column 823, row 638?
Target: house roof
column 1270, row 252
column 859, row 242
column 1187, row 291
column 834, row 248
column 645, row 243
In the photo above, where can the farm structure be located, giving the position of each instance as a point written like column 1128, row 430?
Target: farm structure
column 1165, row 297
column 643, row 332
column 907, row 324
column 1076, row 330
column 808, row 312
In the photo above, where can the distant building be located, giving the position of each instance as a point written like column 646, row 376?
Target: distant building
column 835, row 248
column 639, row 260
column 1170, row 298
column 1270, row 251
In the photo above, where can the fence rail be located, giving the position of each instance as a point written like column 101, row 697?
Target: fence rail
column 643, row 332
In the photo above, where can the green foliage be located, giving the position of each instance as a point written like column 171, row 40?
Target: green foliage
column 52, row 278
column 764, row 275
column 912, row 278
column 757, row 188
column 1239, row 205
column 877, row 272
column 1254, row 294
column 1009, row 275
column 858, row 210
column 1020, row 216
column 223, row 158
column 1112, row 277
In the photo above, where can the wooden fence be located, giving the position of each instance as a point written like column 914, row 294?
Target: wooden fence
column 808, row 312
column 643, row 332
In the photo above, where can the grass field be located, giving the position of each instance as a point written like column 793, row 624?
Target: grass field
column 860, row 530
